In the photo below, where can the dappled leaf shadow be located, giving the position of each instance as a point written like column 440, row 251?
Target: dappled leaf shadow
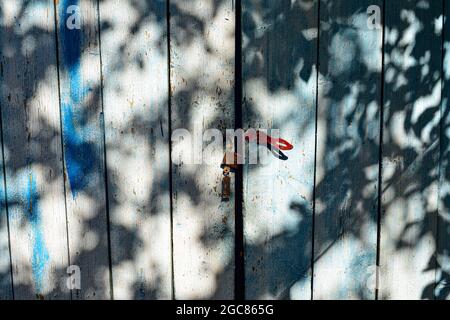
column 351, row 139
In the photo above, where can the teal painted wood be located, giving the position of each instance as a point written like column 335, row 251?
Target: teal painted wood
column 6, row 292
column 442, row 290
column 32, row 143
column 350, row 58
column 81, row 112
column 410, row 171
column 202, row 80
column 135, row 93
column 279, row 83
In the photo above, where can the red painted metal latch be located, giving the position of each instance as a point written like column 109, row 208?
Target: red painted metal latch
column 230, row 162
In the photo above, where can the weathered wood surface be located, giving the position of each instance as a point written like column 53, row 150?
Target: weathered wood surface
column 350, row 58
column 202, row 77
column 410, row 170
column 135, row 92
column 33, row 156
column 442, row 290
column 81, row 118
column 87, row 116
column 279, row 84
column 6, row 292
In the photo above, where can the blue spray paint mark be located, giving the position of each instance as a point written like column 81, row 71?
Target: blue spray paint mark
column 40, row 254
column 78, row 152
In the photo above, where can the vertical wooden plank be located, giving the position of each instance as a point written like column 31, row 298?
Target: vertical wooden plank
column 135, row 71
column 202, row 77
column 443, row 242
column 6, row 292
column 410, row 175
column 279, row 83
column 350, row 58
column 81, row 112
column 32, row 144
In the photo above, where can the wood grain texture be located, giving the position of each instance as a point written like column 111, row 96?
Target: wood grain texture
column 6, row 292
column 410, row 174
column 279, row 81
column 350, row 58
column 81, row 112
column 442, row 290
column 202, row 77
column 135, row 93
column 312, row 72
column 32, row 143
